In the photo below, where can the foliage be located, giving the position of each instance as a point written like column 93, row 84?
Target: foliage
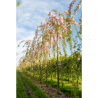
column 18, row 3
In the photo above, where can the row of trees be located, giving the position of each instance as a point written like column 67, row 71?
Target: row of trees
column 53, row 33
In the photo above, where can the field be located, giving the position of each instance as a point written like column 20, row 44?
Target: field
column 32, row 87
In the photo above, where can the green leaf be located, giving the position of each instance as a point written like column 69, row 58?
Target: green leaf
column 78, row 49
column 18, row 3
column 73, row 39
column 74, row 46
column 60, row 14
column 54, row 10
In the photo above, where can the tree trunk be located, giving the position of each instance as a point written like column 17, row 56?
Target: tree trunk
column 50, row 68
column 40, row 74
column 68, row 78
column 51, row 76
column 33, row 71
column 46, row 75
column 57, row 67
column 30, row 66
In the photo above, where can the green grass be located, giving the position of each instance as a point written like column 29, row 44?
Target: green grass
column 67, row 88
column 54, row 78
column 37, row 93
column 65, row 78
column 20, row 87
column 70, row 79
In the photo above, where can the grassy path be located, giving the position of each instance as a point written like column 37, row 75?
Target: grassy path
column 26, row 89
column 20, row 89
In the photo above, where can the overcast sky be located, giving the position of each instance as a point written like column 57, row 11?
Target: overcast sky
column 31, row 13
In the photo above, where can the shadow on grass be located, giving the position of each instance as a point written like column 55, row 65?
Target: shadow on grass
column 67, row 89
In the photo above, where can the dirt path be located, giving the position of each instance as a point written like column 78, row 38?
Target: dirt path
column 50, row 91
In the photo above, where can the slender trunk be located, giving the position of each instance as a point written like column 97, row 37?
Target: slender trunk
column 68, row 78
column 46, row 70
column 57, row 66
column 33, row 71
column 77, row 80
column 50, row 68
column 62, row 78
column 55, row 74
column 51, row 76
column 30, row 66
column 77, row 75
column 40, row 73
column 55, row 71
column 38, row 70
column 46, row 75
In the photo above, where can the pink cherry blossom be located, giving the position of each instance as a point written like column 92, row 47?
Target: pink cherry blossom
column 75, row 13
column 71, row 5
column 56, row 12
column 50, row 13
column 78, row 58
column 42, row 22
column 69, row 9
column 79, row 7
column 61, row 19
column 65, row 30
column 60, row 36
column 74, row 0
column 56, row 22
column 65, row 12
